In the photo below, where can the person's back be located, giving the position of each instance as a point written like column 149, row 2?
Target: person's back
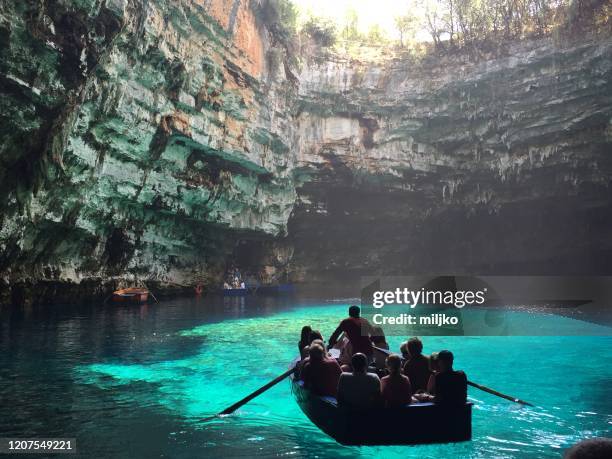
column 379, row 341
column 450, row 385
column 395, row 388
column 417, row 366
column 321, row 374
column 359, row 389
column 304, row 340
column 357, row 330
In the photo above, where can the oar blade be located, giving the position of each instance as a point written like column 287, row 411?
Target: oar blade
column 230, row 409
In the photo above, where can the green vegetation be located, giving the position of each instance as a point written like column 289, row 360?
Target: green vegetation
column 280, row 16
column 450, row 25
column 459, row 23
column 322, row 31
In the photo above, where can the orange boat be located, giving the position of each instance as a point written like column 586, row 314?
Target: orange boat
column 131, row 295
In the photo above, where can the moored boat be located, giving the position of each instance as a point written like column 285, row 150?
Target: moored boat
column 131, row 295
column 413, row 424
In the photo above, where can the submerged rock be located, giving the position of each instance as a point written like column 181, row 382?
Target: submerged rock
column 156, row 141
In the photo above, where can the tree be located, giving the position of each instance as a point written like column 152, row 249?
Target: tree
column 322, row 30
column 350, row 32
column 376, row 34
column 405, row 25
column 433, row 13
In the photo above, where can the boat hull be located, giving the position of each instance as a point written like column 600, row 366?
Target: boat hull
column 130, row 295
column 418, row 423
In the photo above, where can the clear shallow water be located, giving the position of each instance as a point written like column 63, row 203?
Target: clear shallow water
column 136, row 381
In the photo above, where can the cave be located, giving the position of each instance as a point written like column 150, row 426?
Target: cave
column 166, row 161
column 306, row 228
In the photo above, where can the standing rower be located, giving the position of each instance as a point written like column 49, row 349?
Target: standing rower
column 358, row 331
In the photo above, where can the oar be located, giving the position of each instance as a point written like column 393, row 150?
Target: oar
column 477, row 386
column 230, row 409
column 499, row 394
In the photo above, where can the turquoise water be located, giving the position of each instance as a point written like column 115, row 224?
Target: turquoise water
column 133, row 382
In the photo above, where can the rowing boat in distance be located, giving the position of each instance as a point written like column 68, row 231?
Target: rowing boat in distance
column 133, row 295
column 417, row 423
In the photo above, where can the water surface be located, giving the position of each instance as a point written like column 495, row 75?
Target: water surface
column 131, row 381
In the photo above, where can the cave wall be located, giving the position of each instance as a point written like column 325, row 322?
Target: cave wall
column 140, row 141
column 449, row 166
column 158, row 141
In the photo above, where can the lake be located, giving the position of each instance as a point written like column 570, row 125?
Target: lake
column 136, row 381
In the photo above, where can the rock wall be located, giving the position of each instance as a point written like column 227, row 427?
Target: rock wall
column 140, row 141
column 157, row 141
column 497, row 167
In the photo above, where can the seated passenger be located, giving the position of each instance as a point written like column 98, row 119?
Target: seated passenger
column 433, row 366
column 417, row 366
column 346, row 353
column 378, row 340
column 306, row 351
column 395, row 388
column 359, row 389
column 305, row 358
column 304, row 340
column 449, row 386
column 320, row 374
column 404, row 350
column 315, row 334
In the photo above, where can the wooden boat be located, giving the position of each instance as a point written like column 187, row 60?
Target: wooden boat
column 413, row 424
column 131, row 295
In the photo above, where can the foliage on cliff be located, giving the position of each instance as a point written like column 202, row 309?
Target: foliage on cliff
column 477, row 27
column 469, row 23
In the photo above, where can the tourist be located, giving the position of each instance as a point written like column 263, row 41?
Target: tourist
column 315, row 334
column 395, row 387
column 304, row 340
column 450, row 386
column 417, row 365
column 590, row 448
column 378, row 338
column 434, row 367
column 306, row 355
column 304, row 359
column 379, row 341
column 404, row 350
column 320, row 374
column 358, row 331
column 346, row 352
column 359, row 389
